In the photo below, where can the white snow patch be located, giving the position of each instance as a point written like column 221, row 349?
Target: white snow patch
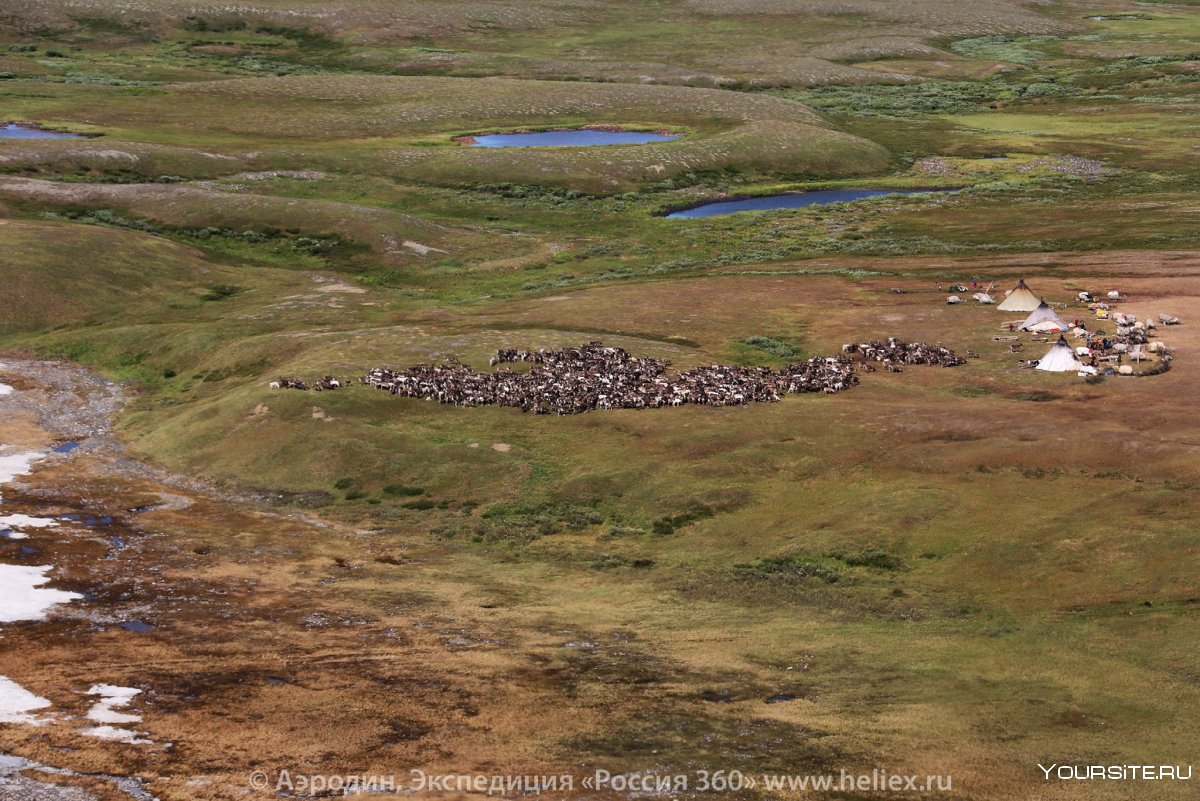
column 17, row 464
column 112, row 698
column 25, row 521
column 24, row 598
column 16, row 704
column 117, row 735
column 105, row 711
column 5, row 389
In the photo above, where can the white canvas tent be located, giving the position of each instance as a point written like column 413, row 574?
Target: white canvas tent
column 1044, row 319
column 1020, row 299
column 1060, row 358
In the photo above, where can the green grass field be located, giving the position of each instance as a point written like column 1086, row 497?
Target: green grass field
column 963, row 571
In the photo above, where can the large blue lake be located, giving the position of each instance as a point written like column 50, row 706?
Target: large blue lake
column 582, row 137
column 789, row 200
column 13, row 131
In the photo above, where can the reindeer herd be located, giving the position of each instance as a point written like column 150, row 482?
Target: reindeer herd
column 894, row 353
column 595, row 376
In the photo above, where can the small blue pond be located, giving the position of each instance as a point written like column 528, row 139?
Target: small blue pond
column 67, row 447
column 790, row 200
column 136, row 625
column 582, row 137
column 13, row 131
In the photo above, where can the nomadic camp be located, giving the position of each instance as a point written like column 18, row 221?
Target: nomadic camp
column 1044, row 319
column 1060, row 358
column 1020, row 299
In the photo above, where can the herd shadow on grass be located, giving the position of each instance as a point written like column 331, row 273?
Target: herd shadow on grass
column 520, row 523
column 705, row 719
column 829, row 568
column 853, row 583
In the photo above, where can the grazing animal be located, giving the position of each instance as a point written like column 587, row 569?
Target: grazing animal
column 898, row 351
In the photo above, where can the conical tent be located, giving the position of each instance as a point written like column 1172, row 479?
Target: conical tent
column 1060, row 358
column 1020, row 299
column 1044, row 318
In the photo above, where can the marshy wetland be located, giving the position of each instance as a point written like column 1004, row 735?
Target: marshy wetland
column 959, row 571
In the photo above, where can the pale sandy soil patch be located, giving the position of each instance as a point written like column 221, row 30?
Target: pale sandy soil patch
column 341, row 287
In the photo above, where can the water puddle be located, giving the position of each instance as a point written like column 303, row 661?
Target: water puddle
column 581, row 137
column 13, row 130
column 116, row 545
column 788, row 200
column 137, row 626
column 12, row 778
column 67, row 447
column 88, row 520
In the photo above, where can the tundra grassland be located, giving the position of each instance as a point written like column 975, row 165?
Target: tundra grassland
column 960, row 571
